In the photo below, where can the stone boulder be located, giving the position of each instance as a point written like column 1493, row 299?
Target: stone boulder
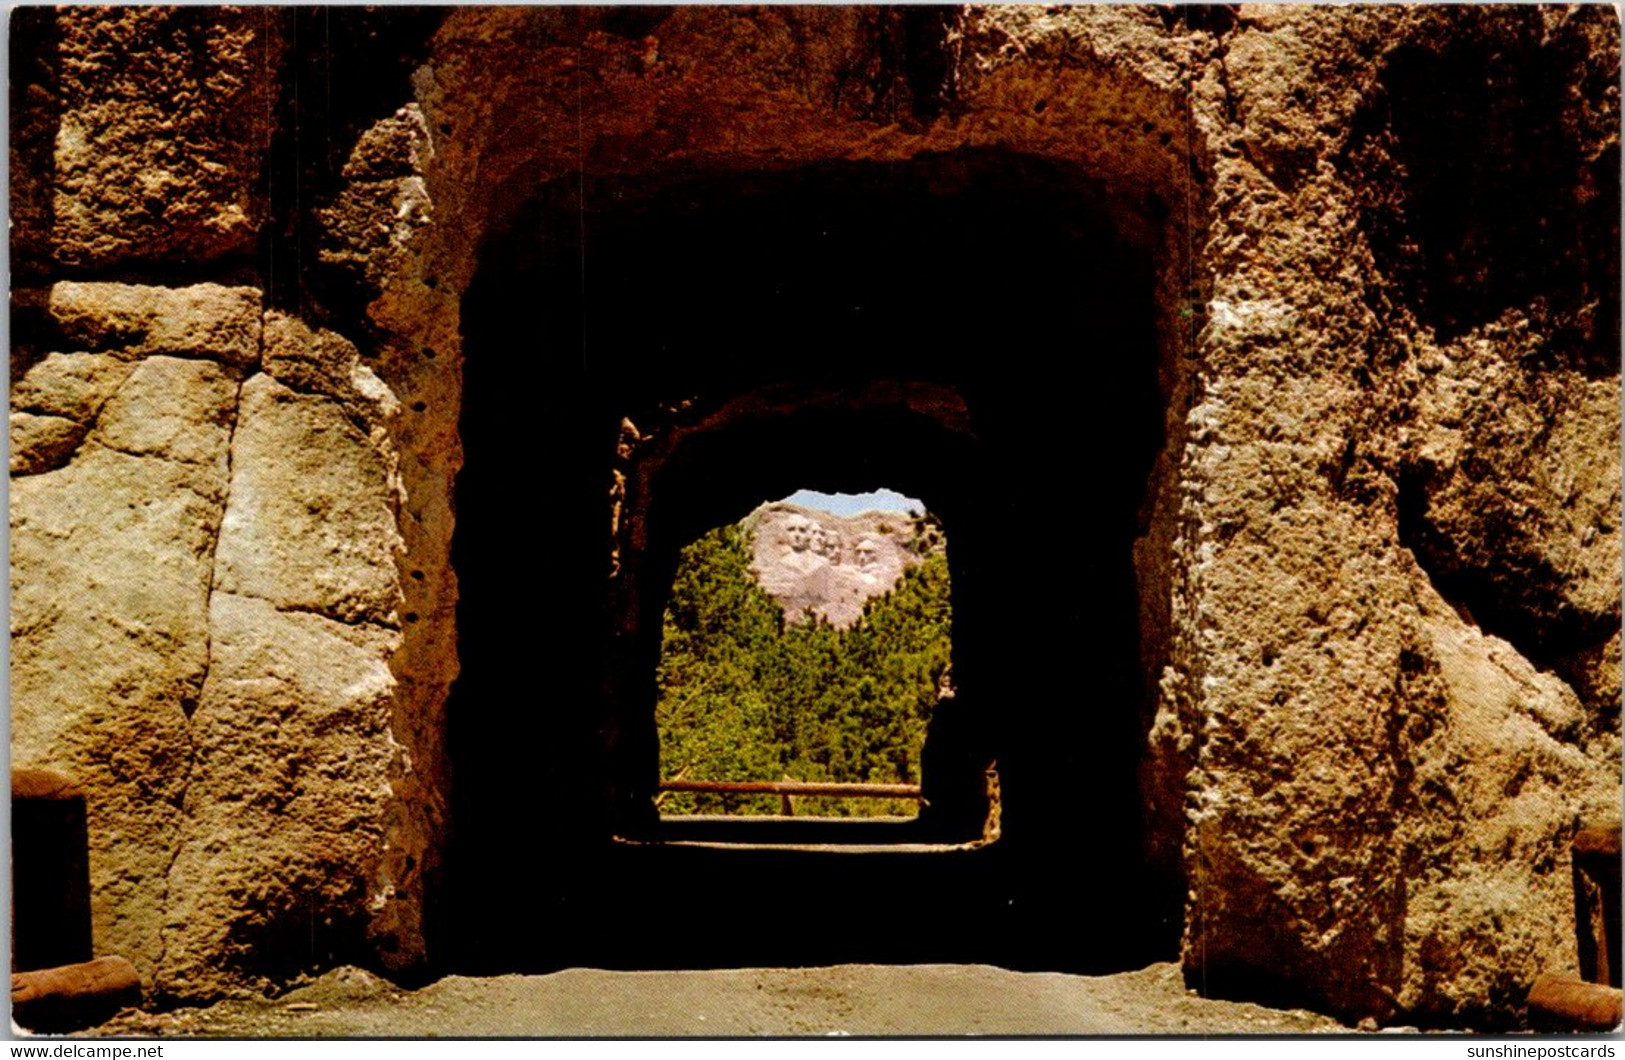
column 114, row 518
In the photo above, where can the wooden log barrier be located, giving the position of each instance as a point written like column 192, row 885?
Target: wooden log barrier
column 1563, row 1002
column 74, row 996
column 830, row 789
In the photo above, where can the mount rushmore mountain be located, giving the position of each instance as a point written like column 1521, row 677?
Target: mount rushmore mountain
column 815, row 563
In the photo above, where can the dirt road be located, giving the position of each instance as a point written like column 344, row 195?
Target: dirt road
column 844, row 1000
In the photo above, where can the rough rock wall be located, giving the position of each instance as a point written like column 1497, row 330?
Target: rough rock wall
column 121, row 468
column 204, row 505
column 1380, row 576
column 204, row 607
column 1379, row 793
column 162, row 125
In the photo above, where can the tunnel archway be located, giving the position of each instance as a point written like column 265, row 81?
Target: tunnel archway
column 768, row 443
column 977, row 328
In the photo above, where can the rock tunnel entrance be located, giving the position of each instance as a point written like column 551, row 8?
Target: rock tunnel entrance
column 647, row 359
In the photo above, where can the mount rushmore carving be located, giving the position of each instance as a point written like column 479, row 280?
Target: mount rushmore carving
column 815, row 563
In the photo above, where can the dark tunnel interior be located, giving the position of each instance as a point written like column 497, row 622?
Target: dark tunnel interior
column 809, row 300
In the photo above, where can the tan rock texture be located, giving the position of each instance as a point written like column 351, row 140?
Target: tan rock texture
column 112, row 542
column 1378, row 796
column 128, row 321
column 164, row 118
column 204, row 610
column 1503, row 771
column 302, row 471
column 285, row 807
column 1379, row 555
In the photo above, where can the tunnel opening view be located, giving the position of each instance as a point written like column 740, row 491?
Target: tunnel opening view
column 655, row 368
column 803, row 651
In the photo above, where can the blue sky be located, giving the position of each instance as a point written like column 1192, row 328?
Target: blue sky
column 881, row 500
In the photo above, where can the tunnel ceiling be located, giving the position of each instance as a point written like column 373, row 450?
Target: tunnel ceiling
column 833, row 273
column 1009, row 282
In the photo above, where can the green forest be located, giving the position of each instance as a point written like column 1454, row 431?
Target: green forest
column 745, row 695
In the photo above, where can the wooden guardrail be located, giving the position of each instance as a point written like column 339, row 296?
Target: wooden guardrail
column 788, row 789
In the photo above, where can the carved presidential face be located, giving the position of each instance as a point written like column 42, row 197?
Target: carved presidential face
column 829, row 545
column 798, row 531
column 867, row 553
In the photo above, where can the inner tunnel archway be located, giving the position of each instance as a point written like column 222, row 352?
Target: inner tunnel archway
column 646, row 359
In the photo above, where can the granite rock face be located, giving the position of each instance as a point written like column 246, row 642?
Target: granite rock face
column 384, row 203
column 817, row 564
column 1378, row 793
column 310, row 525
column 129, row 321
column 285, row 805
column 278, row 867
column 1505, row 767
column 113, row 535
column 204, row 609
column 165, row 115
column 1514, row 504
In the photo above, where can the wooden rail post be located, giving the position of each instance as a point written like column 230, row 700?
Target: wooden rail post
column 1596, row 853
column 1593, row 1002
column 50, row 871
